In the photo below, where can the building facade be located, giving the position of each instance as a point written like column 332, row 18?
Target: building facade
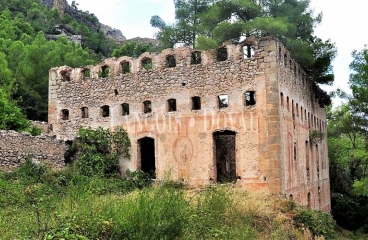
column 243, row 113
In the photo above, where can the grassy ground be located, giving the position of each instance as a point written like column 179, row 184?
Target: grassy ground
column 36, row 204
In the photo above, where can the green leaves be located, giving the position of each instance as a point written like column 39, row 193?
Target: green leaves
column 98, row 151
column 11, row 117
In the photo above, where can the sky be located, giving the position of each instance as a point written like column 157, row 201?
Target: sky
column 343, row 22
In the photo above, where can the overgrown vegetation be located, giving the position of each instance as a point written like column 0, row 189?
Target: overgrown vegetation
column 89, row 200
column 39, row 204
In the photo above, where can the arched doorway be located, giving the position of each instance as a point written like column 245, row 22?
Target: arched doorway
column 225, row 156
column 146, row 154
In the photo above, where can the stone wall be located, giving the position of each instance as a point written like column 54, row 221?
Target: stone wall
column 183, row 138
column 267, row 131
column 305, row 173
column 15, row 147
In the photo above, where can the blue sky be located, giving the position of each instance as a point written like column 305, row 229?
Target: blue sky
column 343, row 22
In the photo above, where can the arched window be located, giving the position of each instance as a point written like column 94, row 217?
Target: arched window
column 147, row 63
column 104, row 72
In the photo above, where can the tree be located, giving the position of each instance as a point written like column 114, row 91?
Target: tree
column 291, row 21
column 187, row 27
column 132, row 49
column 11, row 118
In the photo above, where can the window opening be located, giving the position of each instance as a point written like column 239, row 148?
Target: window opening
column 125, row 109
column 147, row 107
column 116, row 92
column 105, row 111
column 250, row 98
column 147, row 63
column 65, row 114
column 221, row 54
column 294, row 150
column 65, row 74
column 171, row 104
column 287, row 103
column 285, row 62
column 84, row 112
column 170, row 61
column 125, row 67
column 196, row 103
column 248, row 51
column 307, row 160
column 196, row 58
column 104, row 72
column 87, row 73
column 223, row 101
column 282, row 99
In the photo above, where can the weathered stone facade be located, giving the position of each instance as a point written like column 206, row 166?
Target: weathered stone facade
column 16, row 147
column 181, row 105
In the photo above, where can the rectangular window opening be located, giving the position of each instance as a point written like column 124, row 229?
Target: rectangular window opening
column 196, row 103
column 196, row 58
column 125, row 67
column 223, row 101
column 248, row 51
column 147, row 107
column 171, row 103
column 221, row 54
column 125, row 109
column 65, row 114
column 105, row 111
column 84, row 112
column 250, row 98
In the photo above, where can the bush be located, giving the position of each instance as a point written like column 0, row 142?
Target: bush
column 318, row 222
column 99, row 150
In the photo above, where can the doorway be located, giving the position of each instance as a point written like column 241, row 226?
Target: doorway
column 146, row 152
column 225, row 156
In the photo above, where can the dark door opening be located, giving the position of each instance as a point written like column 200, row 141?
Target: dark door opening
column 225, row 157
column 147, row 156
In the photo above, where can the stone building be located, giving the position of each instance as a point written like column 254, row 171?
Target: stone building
column 243, row 113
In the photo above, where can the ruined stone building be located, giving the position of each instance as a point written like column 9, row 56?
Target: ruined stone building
column 243, row 113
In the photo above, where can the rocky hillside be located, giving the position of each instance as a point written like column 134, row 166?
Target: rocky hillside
column 85, row 18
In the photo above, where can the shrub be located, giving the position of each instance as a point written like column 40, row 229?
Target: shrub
column 318, row 222
column 99, row 151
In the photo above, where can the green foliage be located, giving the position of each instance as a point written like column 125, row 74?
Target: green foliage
column 104, row 72
column 132, row 49
column 318, row 222
column 316, row 137
column 35, row 131
column 187, row 26
column 99, row 151
column 202, row 23
column 11, row 117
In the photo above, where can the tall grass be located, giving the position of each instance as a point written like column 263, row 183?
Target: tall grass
column 65, row 205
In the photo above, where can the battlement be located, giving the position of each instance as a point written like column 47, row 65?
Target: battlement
column 252, row 52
